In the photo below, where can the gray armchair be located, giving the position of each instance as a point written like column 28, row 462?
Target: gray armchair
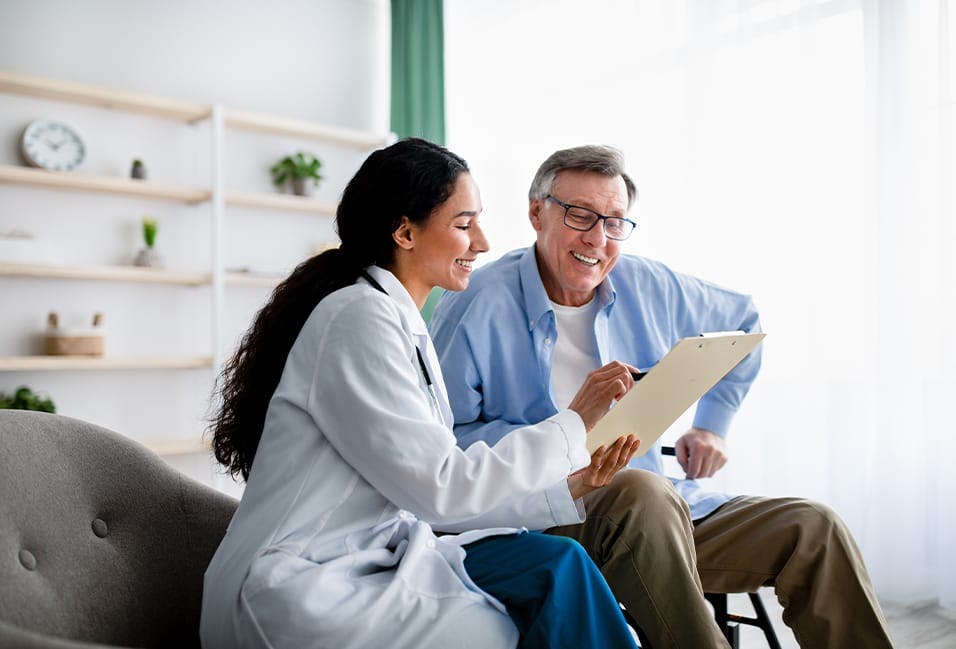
column 100, row 540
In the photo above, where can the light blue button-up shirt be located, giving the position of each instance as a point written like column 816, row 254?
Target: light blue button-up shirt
column 495, row 343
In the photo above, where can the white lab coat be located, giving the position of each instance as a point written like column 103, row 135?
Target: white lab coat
column 333, row 542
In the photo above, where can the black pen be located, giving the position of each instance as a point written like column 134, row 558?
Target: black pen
column 637, row 376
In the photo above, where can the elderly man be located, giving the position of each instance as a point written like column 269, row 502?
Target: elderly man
column 550, row 326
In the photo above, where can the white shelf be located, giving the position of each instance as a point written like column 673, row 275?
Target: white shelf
column 107, row 273
column 182, row 446
column 301, row 128
column 252, row 280
column 285, row 202
column 73, row 181
column 58, row 363
column 132, row 274
column 78, row 93
column 69, row 180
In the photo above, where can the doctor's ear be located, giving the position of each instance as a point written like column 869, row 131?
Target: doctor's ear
column 403, row 234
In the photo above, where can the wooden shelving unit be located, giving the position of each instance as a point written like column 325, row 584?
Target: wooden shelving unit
column 180, row 111
column 253, row 280
column 72, row 363
column 173, row 447
column 216, row 197
column 105, row 273
column 131, row 274
column 300, row 128
column 285, row 202
column 72, row 181
column 78, row 93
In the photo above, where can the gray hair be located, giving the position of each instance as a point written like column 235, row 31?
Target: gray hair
column 604, row 160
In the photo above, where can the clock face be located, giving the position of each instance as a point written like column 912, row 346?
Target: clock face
column 52, row 146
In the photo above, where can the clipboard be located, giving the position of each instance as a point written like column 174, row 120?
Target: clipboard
column 691, row 368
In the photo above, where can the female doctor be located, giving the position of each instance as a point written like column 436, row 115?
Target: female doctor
column 334, row 411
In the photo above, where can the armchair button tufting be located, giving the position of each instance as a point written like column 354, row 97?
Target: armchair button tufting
column 28, row 560
column 99, row 528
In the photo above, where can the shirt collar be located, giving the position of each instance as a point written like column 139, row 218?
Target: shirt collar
column 397, row 291
column 536, row 300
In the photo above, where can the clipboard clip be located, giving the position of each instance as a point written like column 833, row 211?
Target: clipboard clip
column 714, row 334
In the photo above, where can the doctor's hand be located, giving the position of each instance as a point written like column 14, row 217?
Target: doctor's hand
column 601, row 387
column 701, row 453
column 605, row 463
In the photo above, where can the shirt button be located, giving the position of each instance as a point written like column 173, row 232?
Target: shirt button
column 547, row 341
column 404, row 515
column 431, row 543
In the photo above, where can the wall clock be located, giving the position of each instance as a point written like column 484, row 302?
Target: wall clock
column 51, row 145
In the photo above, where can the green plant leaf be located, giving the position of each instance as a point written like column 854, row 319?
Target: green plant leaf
column 150, row 227
column 298, row 165
column 24, row 399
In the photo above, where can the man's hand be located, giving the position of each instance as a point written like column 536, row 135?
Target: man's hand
column 701, row 453
column 605, row 463
column 601, row 387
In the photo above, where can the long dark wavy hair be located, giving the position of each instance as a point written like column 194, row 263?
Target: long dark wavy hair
column 409, row 178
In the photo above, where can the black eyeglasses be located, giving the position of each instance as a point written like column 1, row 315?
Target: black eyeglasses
column 583, row 219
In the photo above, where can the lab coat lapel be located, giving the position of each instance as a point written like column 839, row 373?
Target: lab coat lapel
column 419, row 331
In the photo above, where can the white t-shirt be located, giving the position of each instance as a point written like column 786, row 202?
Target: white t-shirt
column 575, row 350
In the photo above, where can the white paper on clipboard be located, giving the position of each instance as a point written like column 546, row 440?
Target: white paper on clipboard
column 691, row 368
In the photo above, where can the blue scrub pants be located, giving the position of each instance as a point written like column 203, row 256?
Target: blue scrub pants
column 555, row 594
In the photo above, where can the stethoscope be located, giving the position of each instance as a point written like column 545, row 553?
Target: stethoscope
column 421, row 359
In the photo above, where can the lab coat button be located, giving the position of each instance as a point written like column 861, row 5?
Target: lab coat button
column 431, row 543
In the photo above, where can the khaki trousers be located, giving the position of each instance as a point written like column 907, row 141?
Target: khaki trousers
column 659, row 564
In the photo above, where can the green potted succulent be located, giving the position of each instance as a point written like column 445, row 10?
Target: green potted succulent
column 25, row 399
column 148, row 256
column 300, row 169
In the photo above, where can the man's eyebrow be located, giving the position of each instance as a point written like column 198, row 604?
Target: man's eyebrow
column 623, row 210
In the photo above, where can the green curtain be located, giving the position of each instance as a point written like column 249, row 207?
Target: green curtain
column 418, row 69
column 418, row 80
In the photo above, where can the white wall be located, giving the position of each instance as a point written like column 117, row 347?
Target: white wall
column 322, row 60
column 800, row 151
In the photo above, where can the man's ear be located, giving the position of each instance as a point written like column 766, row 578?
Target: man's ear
column 534, row 213
column 403, row 234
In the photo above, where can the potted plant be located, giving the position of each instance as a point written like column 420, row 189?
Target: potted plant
column 148, row 256
column 301, row 168
column 25, row 399
column 138, row 170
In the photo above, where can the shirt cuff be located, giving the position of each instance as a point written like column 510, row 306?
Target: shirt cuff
column 564, row 509
column 575, row 437
column 714, row 416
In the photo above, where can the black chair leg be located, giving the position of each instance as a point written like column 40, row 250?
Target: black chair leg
column 732, row 631
column 763, row 621
column 728, row 623
column 724, row 620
